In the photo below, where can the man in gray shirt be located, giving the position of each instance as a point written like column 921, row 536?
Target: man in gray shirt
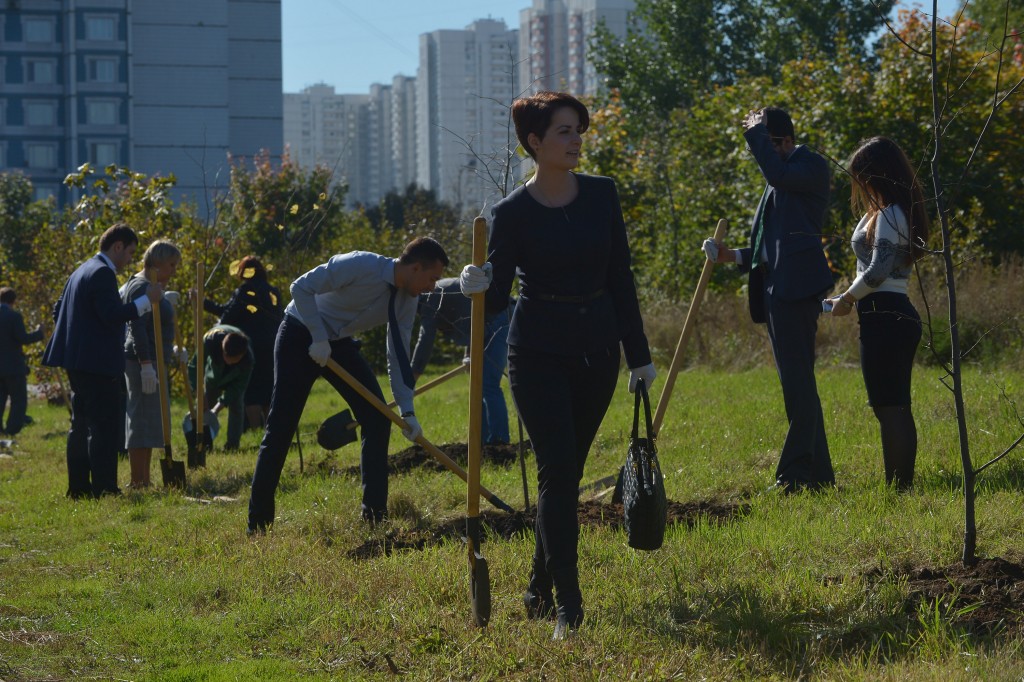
column 350, row 293
column 445, row 309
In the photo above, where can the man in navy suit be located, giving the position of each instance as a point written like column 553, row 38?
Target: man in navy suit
column 88, row 341
column 789, row 275
column 13, row 368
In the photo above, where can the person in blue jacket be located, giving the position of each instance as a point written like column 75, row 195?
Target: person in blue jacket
column 13, row 368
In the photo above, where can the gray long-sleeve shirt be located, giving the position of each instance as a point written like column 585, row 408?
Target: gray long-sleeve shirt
column 349, row 294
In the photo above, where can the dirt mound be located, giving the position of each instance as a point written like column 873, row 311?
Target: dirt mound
column 415, row 456
column 982, row 598
column 591, row 513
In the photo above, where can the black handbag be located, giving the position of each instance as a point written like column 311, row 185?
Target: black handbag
column 643, row 488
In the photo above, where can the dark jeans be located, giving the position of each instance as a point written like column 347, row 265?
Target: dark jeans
column 562, row 401
column 96, row 423
column 15, row 387
column 792, row 326
column 890, row 330
column 294, row 374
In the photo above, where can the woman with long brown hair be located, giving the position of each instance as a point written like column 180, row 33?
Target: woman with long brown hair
column 890, row 237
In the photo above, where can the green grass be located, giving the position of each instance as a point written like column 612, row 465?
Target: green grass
column 156, row 586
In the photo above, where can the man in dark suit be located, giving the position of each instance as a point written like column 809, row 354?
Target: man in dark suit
column 13, row 368
column 445, row 309
column 88, row 341
column 789, row 275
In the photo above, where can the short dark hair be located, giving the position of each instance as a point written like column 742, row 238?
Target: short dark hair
column 235, row 344
column 425, row 251
column 533, row 114
column 118, row 233
column 7, row 295
column 778, row 122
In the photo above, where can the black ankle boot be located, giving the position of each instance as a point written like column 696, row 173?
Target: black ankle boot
column 569, row 620
column 539, row 606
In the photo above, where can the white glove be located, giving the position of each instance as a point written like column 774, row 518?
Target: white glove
column 320, row 351
column 474, row 280
column 710, row 249
column 646, row 373
column 415, row 430
column 173, row 297
column 149, row 382
column 181, row 355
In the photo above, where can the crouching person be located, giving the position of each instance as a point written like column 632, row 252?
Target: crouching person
column 228, row 362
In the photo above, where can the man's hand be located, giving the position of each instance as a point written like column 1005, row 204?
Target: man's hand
column 149, row 381
column 320, row 351
column 173, row 297
column 474, row 280
column 647, row 373
column 154, row 292
column 717, row 252
column 753, row 118
column 181, row 354
column 415, row 430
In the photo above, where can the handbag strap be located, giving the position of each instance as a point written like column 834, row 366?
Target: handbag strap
column 641, row 392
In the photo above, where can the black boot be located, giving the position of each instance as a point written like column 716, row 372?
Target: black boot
column 899, row 445
column 570, row 602
column 569, row 620
column 539, row 597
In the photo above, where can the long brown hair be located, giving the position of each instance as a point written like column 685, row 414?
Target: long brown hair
column 882, row 176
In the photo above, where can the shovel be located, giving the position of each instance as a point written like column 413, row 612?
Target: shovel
column 431, row 449
column 173, row 471
column 200, row 443
column 479, row 576
column 188, row 423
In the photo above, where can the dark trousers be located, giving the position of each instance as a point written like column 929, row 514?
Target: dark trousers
column 562, row 402
column 890, row 330
column 15, row 387
column 294, row 374
column 792, row 325
column 96, row 424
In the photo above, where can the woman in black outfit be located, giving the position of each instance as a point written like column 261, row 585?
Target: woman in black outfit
column 563, row 235
column 256, row 309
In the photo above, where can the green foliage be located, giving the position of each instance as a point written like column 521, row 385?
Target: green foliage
column 20, row 217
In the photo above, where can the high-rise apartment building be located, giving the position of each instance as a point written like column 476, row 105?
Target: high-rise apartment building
column 160, row 87
column 464, row 86
column 553, row 40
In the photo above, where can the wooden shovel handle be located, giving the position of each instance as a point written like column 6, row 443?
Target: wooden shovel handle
column 476, row 374
column 161, row 373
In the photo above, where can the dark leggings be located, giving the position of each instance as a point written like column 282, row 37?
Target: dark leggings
column 890, row 330
column 562, row 401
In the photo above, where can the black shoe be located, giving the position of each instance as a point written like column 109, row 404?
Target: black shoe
column 255, row 530
column 569, row 621
column 373, row 516
column 539, row 606
column 28, row 420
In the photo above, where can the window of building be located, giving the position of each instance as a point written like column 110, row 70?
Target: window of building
column 40, row 113
column 100, row 28
column 42, row 192
column 101, row 69
column 41, row 154
column 101, row 112
column 3, row 155
column 41, row 71
column 37, row 29
column 103, row 154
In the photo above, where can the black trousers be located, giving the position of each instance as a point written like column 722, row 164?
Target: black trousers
column 294, row 374
column 792, row 326
column 97, row 421
column 890, row 330
column 15, row 387
column 562, row 401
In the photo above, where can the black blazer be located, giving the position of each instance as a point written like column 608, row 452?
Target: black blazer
column 89, row 320
column 12, row 337
column 796, row 198
column 580, row 251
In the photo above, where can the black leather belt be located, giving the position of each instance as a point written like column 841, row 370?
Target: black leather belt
column 566, row 299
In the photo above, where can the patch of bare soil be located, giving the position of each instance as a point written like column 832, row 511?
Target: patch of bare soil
column 983, row 598
column 415, row 456
column 591, row 513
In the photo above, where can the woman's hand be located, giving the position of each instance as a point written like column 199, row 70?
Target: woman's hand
column 842, row 305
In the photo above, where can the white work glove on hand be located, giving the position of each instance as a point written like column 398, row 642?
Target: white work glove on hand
column 474, row 279
column 149, row 382
column 320, row 351
column 710, row 249
column 173, row 297
column 181, row 355
column 415, row 430
column 646, row 373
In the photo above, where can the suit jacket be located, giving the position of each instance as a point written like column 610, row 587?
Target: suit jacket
column 796, row 201
column 89, row 320
column 12, row 337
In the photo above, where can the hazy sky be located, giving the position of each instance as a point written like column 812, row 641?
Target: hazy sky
column 350, row 44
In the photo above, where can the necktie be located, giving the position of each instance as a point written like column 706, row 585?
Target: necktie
column 756, row 260
column 396, row 340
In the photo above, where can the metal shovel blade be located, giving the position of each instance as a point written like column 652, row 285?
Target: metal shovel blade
column 173, row 471
column 337, row 431
column 196, row 455
column 479, row 575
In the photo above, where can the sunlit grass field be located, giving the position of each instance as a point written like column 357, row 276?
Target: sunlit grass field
column 164, row 586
